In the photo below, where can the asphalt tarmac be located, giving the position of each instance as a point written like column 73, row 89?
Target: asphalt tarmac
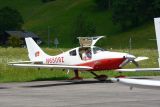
column 88, row 93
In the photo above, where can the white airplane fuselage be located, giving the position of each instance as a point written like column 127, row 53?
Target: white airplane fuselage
column 102, row 60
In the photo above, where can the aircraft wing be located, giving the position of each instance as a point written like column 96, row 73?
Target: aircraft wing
column 53, row 66
column 138, row 69
column 140, row 83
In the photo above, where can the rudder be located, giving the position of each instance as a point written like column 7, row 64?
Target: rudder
column 35, row 53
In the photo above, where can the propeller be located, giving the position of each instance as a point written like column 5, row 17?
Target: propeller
column 127, row 61
column 133, row 59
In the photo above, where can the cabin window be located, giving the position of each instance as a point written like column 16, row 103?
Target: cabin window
column 73, row 53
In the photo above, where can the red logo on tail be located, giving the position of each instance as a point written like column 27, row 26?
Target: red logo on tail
column 37, row 54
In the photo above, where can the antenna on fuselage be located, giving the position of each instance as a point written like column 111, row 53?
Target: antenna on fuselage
column 130, row 44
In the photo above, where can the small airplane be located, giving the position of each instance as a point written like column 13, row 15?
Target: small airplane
column 86, row 57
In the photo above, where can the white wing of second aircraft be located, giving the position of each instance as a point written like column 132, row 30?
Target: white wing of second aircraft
column 53, row 66
column 138, row 69
column 140, row 83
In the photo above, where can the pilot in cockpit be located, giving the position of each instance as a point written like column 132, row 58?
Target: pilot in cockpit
column 86, row 55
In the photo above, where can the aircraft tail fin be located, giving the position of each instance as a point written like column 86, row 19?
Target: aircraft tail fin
column 35, row 53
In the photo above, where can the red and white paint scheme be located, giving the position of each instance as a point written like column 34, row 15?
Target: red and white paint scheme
column 87, row 57
column 95, row 58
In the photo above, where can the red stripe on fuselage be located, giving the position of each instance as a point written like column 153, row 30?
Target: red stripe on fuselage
column 104, row 64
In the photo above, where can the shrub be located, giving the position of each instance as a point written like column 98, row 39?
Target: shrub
column 14, row 41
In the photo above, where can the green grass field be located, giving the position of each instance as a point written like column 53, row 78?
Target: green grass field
column 13, row 74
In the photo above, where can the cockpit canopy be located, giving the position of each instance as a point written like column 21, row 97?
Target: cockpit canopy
column 87, row 50
column 86, row 53
column 89, row 41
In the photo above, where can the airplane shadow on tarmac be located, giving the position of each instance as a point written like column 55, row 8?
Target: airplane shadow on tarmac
column 4, row 88
column 68, row 82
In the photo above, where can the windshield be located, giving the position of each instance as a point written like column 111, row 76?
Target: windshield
column 97, row 50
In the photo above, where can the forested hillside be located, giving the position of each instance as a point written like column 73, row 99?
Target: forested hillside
column 67, row 19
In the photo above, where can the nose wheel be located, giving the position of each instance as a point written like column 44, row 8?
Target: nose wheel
column 99, row 77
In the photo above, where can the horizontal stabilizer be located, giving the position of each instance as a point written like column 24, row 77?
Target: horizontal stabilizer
column 53, row 66
column 25, row 62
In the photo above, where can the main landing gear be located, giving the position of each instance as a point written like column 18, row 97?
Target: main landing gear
column 99, row 77
column 77, row 77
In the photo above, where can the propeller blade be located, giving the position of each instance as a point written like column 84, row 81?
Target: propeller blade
column 124, row 63
column 135, row 63
column 141, row 58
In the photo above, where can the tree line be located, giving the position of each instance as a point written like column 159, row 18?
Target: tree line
column 10, row 19
column 126, row 13
column 130, row 13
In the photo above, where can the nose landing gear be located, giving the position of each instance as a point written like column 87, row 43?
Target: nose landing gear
column 99, row 77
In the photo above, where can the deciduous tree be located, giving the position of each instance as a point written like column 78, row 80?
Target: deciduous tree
column 10, row 19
